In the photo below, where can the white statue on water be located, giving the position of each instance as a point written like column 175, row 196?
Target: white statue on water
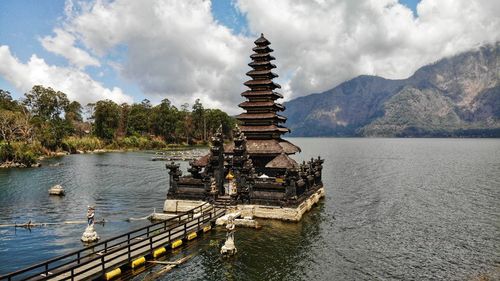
column 228, row 248
column 90, row 235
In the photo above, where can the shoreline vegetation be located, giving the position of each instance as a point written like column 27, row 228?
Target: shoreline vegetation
column 46, row 124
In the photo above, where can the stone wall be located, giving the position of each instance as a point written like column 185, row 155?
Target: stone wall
column 281, row 213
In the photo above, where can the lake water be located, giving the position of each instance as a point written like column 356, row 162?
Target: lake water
column 395, row 209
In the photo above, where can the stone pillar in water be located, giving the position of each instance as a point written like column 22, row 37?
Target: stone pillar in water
column 90, row 235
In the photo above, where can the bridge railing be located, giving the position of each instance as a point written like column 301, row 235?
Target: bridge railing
column 116, row 247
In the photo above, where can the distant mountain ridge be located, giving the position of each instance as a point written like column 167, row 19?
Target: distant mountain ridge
column 453, row 97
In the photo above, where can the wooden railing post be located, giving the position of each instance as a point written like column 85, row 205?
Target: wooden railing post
column 128, row 246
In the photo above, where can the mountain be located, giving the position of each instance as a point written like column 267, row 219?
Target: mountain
column 456, row 96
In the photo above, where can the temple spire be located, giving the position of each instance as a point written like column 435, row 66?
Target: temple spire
column 261, row 119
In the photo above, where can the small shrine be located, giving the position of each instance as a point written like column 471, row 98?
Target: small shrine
column 255, row 170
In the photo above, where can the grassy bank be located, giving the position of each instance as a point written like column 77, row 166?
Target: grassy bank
column 20, row 154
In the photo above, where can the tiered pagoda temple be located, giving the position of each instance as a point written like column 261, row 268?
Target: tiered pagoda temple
column 261, row 123
column 256, row 167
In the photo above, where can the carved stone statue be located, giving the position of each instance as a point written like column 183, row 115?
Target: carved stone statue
column 90, row 215
column 90, row 235
column 229, row 248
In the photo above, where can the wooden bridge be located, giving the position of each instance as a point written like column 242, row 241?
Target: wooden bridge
column 106, row 259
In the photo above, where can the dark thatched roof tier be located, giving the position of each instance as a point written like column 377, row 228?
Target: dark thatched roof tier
column 269, row 115
column 264, row 73
column 268, row 93
column 261, row 65
column 262, row 41
column 202, row 161
column 282, row 161
column 262, row 49
column 262, row 56
column 266, row 147
column 263, row 104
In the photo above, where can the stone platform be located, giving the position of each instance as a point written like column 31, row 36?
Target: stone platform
column 281, row 213
column 177, row 205
column 255, row 211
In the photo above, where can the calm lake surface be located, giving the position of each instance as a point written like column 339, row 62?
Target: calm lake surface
column 395, row 209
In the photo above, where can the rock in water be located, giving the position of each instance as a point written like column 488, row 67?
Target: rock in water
column 56, row 190
column 90, row 235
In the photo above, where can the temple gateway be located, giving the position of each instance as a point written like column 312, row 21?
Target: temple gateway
column 254, row 173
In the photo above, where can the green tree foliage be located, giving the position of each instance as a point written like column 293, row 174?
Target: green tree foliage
column 6, row 101
column 73, row 112
column 9, row 125
column 106, row 119
column 46, row 103
column 217, row 117
column 139, row 118
column 46, row 120
column 165, row 119
column 47, row 107
column 198, row 119
column 124, row 114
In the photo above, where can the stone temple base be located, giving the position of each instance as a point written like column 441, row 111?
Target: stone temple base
column 254, row 211
column 281, row 213
column 175, row 206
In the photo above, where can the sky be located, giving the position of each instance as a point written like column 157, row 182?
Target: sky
column 128, row 50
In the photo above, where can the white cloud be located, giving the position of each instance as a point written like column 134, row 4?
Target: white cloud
column 175, row 49
column 323, row 43
column 63, row 44
column 76, row 84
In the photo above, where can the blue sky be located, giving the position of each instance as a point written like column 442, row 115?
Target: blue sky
column 24, row 22
column 193, row 49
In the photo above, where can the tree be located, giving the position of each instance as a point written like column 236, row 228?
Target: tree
column 51, row 133
column 217, row 117
column 6, row 101
column 46, row 103
column 73, row 112
column 47, row 107
column 9, row 125
column 106, row 119
column 25, row 127
column 124, row 115
column 139, row 119
column 15, row 120
column 199, row 122
column 164, row 120
column 73, row 118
